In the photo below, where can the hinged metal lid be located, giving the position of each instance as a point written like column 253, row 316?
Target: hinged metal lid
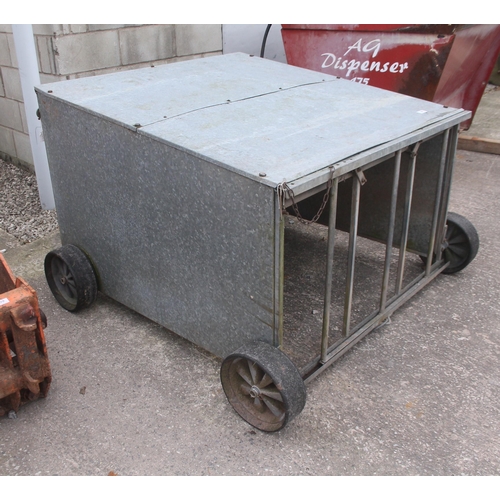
column 263, row 119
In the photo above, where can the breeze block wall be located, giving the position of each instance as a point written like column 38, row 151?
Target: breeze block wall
column 67, row 51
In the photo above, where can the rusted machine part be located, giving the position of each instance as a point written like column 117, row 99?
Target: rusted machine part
column 24, row 366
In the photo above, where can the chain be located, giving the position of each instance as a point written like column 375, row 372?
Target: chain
column 285, row 191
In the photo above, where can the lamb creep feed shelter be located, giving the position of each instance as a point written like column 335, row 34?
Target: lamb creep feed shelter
column 270, row 214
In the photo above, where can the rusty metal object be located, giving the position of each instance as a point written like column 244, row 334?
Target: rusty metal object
column 24, row 366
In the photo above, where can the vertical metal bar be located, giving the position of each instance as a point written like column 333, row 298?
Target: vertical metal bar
column 353, row 233
column 329, row 269
column 281, row 280
column 406, row 218
column 451, row 164
column 448, row 178
column 390, row 236
column 437, row 203
column 279, row 269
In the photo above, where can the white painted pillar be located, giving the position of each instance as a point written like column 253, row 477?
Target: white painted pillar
column 28, row 69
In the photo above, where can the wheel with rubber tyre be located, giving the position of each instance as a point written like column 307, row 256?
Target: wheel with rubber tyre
column 461, row 243
column 263, row 386
column 71, row 278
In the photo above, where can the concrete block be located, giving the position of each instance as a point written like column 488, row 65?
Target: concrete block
column 147, row 43
column 86, row 52
column 12, row 83
column 5, row 59
column 10, row 115
column 79, row 28
column 198, row 38
column 44, row 78
column 47, row 29
column 85, row 74
column 5, row 28
column 68, row 29
column 102, row 27
column 118, row 69
column 23, row 147
column 7, row 145
column 46, row 62
column 2, row 90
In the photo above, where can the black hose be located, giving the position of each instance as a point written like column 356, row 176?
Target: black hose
column 263, row 48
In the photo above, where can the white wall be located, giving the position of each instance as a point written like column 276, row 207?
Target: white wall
column 248, row 38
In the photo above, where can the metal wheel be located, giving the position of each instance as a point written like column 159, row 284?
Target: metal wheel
column 263, row 386
column 71, row 278
column 461, row 243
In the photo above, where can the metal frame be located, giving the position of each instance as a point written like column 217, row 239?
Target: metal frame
column 387, row 304
column 200, row 149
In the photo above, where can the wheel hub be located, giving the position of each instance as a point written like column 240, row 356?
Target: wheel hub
column 254, row 392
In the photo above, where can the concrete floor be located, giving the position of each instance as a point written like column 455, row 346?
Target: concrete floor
column 419, row 396
column 485, row 122
column 484, row 134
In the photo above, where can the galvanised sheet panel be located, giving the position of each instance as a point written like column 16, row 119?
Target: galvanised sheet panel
column 148, row 95
column 296, row 132
column 254, row 116
column 186, row 243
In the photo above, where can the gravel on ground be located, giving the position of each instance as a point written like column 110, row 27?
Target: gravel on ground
column 21, row 214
